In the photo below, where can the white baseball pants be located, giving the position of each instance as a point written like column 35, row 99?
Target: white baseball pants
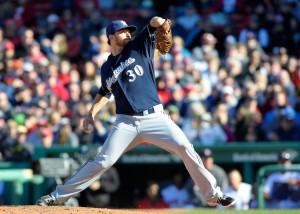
column 130, row 131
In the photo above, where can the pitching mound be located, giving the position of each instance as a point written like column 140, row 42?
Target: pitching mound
column 78, row 210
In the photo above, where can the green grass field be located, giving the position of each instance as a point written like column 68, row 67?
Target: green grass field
column 87, row 210
column 213, row 211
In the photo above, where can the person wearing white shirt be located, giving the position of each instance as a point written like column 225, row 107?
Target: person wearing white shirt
column 241, row 191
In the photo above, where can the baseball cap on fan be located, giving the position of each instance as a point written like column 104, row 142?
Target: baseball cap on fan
column 206, row 153
column 284, row 156
column 116, row 25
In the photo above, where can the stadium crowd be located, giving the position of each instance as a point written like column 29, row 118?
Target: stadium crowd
column 232, row 75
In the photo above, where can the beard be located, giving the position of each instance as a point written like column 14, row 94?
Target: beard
column 122, row 43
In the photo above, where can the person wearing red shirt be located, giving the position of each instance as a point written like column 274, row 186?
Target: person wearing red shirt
column 152, row 199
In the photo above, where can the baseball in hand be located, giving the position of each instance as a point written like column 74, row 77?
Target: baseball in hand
column 90, row 127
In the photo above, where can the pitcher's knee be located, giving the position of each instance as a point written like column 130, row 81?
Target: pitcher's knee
column 104, row 161
column 182, row 148
column 185, row 148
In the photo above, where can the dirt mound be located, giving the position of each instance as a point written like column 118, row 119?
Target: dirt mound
column 78, row 210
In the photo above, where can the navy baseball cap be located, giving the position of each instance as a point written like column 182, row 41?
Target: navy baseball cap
column 116, row 25
column 206, row 153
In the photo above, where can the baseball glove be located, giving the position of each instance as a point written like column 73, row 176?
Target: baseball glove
column 164, row 39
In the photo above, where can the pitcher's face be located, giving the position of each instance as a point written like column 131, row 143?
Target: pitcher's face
column 122, row 37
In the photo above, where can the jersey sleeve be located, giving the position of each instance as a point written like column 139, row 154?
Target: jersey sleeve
column 103, row 93
column 103, row 90
column 145, row 41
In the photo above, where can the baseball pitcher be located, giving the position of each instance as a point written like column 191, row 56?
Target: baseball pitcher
column 128, row 74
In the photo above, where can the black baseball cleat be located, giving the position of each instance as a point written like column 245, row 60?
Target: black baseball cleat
column 46, row 200
column 224, row 201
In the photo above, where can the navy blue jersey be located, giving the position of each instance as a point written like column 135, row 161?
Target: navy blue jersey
column 130, row 77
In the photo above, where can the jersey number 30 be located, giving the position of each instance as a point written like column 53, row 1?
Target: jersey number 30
column 138, row 70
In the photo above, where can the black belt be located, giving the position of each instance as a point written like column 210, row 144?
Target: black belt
column 144, row 113
column 151, row 110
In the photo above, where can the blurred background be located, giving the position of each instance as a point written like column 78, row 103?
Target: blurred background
column 231, row 81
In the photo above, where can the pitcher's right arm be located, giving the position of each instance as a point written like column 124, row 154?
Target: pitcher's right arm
column 97, row 105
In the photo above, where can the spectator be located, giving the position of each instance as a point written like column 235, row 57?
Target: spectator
column 275, row 70
column 77, row 118
column 91, row 75
column 221, row 116
column 202, row 86
column 255, row 30
column 2, row 127
column 239, row 190
column 176, row 194
column 189, row 19
column 5, row 105
column 103, row 51
column 87, row 91
column 211, row 131
column 20, row 150
column 288, row 129
column 59, row 46
column 64, row 72
column 248, row 120
column 75, row 94
column 54, row 121
column 9, row 52
column 294, row 70
column 282, row 55
column 23, row 98
column 56, row 87
column 255, row 63
column 153, row 199
column 212, row 71
column 2, row 47
column 183, row 77
column 53, row 29
column 280, row 191
column 14, row 148
column 179, row 47
column 10, row 133
column 288, row 86
column 218, row 172
column 101, row 193
column 227, row 97
column 35, row 53
column 280, row 33
column 102, row 126
column 27, row 39
column 174, row 113
column 74, row 76
column 163, row 92
column 65, row 135
column 191, row 123
column 177, row 98
column 42, row 135
column 64, row 109
column 271, row 119
column 207, row 50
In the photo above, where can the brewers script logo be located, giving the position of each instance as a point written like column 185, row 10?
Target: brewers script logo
column 118, row 71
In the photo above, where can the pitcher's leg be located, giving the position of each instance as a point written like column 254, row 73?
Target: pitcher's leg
column 164, row 133
column 117, row 142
